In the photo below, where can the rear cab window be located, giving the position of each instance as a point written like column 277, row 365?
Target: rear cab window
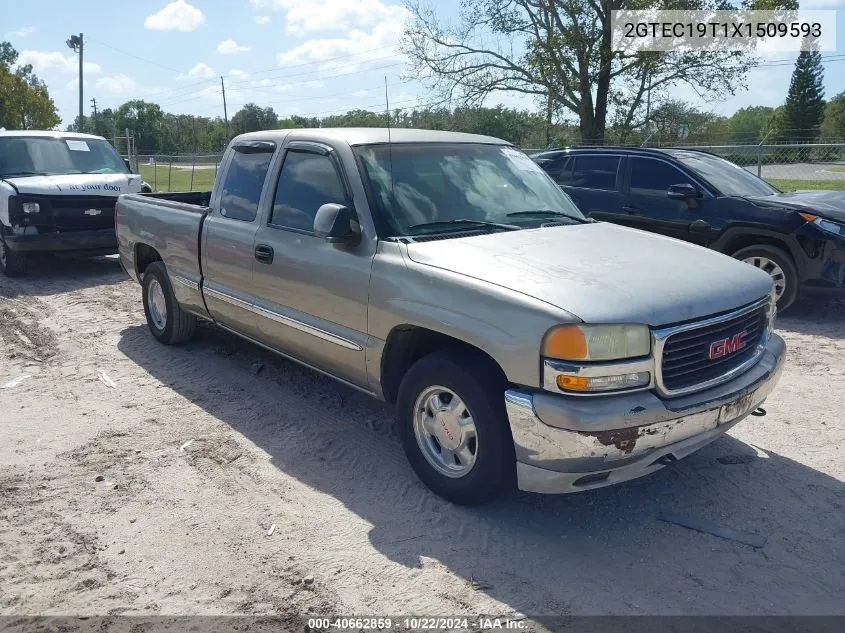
column 244, row 181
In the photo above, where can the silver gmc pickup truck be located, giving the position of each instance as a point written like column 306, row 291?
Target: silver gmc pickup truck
column 446, row 273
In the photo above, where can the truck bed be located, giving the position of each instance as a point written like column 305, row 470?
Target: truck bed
column 169, row 224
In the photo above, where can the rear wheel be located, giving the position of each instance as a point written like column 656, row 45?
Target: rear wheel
column 778, row 264
column 167, row 321
column 454, row 429
column 11, row 263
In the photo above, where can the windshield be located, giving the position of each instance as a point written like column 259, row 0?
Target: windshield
column 30, row 156
column 730, row 179
column 451, row 186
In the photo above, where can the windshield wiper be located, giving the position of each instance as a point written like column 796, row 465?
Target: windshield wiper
column 12, row 174
column 507, row 227
column 544, row 213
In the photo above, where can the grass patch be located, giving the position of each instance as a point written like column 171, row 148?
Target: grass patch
column 163, row 178
column 838, row 170
column 795, row 185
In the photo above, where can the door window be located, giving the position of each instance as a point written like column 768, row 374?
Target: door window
column 654, row 177
column 595, row 172
column 244, row 182
column 307, row 182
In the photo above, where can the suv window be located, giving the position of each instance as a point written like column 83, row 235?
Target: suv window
column 307, row 182
column 243, row 183
column 654, row 177
column 560, row 169
column 595, row 172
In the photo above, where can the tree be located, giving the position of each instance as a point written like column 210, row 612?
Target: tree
column 750, row 125
column 833, row 125
column 252, row 118
column 560, row 53
column 804, row 107
column 25, row 103
column 143, row 119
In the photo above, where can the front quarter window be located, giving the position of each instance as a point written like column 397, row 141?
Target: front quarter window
column 425, row 183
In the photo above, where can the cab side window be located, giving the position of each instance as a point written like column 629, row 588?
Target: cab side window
column 244, row 182
column 595, row 172
column 307, row 182
column 560, row 169
column 652, row 177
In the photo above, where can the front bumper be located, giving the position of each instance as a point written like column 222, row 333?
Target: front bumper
column 567, row 444
column 100, row 241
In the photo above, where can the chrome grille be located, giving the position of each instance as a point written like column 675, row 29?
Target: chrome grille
column 685, row 362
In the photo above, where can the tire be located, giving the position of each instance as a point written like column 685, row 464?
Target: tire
column 12, row 264
column 172, row 325
column 766, row 257
column 480, row 389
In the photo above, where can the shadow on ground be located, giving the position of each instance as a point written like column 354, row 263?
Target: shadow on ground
column 815, row 314
column 601, row 551
column 52, row 275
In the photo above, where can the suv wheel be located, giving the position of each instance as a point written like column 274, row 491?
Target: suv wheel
column 11, row 263
column 167, row 321
column 780, row 268
column 454, row 429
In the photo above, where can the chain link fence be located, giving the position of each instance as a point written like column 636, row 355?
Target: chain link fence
column 788, row 166
column 179, row 172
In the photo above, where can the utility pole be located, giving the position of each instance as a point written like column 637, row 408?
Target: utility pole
column 225, row 115
column 76, row 43
column 94, row 105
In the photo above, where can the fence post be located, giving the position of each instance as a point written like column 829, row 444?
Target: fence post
column 169, row 174
column 760, row 155
column 155, row 174
column 193, row 166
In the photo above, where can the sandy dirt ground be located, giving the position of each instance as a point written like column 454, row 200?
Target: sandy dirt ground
column 142, row 479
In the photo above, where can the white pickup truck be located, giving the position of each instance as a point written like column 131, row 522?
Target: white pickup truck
column 58, row 191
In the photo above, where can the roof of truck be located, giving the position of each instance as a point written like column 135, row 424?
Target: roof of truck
column 48, row 134
column 371, row 135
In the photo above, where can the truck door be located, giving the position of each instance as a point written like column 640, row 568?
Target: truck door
column 229, row 236
column 313, row 294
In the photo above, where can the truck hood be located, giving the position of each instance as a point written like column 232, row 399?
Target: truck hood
column 827, row 204
column 603, row 273
column 111, row 185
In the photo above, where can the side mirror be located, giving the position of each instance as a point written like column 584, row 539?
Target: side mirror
column 683, row 192
column 337, row 224
column 127, row 163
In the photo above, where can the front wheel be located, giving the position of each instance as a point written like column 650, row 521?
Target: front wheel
column 167, row 321
column 12, row 264
column 778, row 264
column 454, row 429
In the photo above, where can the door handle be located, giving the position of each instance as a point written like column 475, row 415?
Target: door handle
column 700, row 225
column 264, row 253
column 630, row 209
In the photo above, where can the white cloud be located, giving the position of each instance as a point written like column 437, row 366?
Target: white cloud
column 201, row 70
column 261, row 20
column 20, row 33
column 238, row 74
column 178, row 15
column 73, row 84
column 353, row 52
column 822, row 4
column 231, row 47
column 117, row 84
column 44, row 61
column 302, row 16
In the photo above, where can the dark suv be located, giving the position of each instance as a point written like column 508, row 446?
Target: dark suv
column 798, row 238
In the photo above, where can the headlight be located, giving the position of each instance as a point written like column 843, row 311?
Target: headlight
column 31, row 207
column 597, row 342
column 828, row 226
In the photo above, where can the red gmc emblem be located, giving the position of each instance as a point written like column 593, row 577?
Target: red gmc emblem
column 726, row 346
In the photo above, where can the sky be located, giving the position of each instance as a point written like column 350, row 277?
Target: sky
column 307, row 57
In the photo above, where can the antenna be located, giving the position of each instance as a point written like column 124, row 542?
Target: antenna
column 389, row 147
